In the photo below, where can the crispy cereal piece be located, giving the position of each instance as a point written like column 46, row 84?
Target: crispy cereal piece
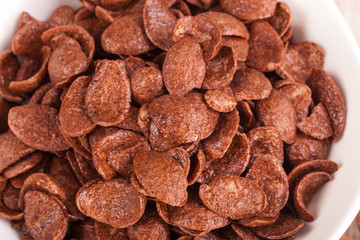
column 196, row 168
column 318, row 124
column 108, row 95
column 306, row 148
column 184, row 66
column 266, row 49
column 265, row 140
column 247, row 118
column 10, row 197
column 18, row 181
column 161, row 176
column 249, row 9
column 206, row 32
column 258, row 221
column 288, row 37
column 250, row 84
column 234, row 197
column 221, row 99
column 45, row 216
column 182, row 157
column 63, row 15
column 84, row 230
column 269, row 174
column 324, row 90
column 114, row 152
column 107, row 232
column 285, row 226
column 278, row 111
column 159, row 22
column 146, row 84
column 98, row 133
column 29, row 67
column 131, row 64
column 346, row 238
column 304, row 191
column 8, row 213
column 37, row 126
column 220, row 140
column 300, row 59
column 38, row 95
column 130, row 121
column 233, row 163
column 86, row 167
column 12, row 150
column 126, row 36
column 239, row 45
column 220, row 69
column 4, row 111
column 76, row 145
column 108, row 16
column 113, row 202
column 73, row 119
column 244, row 232
column 23, row 165
column 70, row 156
column 281, row 19
column 150, row 226
column 52, row 97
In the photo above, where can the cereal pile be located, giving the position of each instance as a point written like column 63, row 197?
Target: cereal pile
column 164, row 119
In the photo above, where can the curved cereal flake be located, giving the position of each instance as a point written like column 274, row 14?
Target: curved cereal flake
column 249, row 9
column 114, row 4
column 52, row 98
column 108, row 16
column 146, row 84
column 34, row 81
column 150, row 226
column 38, row 127
column 161, row 176
column 268, row 173
column 288, row 37
column 38, row 95
column 325, row 91
column 304, row 191
column 45, row 217
column 239, row 45
column 108, row 95
column 188, row 119
column 281, row 19
column 63, row 15
column 24, row 18
column 247, row 118
column 266, row 49
column 126, row 36
column 244, row 232
column 285, row 226
column 73, row 119
column 221, row 99
column 131, row 64
column 265, row 140
column 130, row 121
column 4, row 111
column 304, row 168
column 300, row 59
column 30, row 66
column 10, row 197
column 70, row 156
column 206, row 32
column 86, row 167
column 221, row 69
column 278, row 111
column 11, row 150
column 76, row 145
column 113, row 202
column 228, row 24
column 159, row 22
column 41, row 182
column 318, row 124
column 234, row 197
column 5, row 211
column 250, row 84
column 84, row 230
column 184, row 66
column 107, row 232
column 209, row 236
column 84, row 142
column 306, row 148
column 182, row 7
column 258, row 221
column 9, row 66
column 18, row 181
column 196, row 168
column 27, row 40
column 220, row 140
column 299, row 94
column 98, row 133
column 114, row 152
column 23, row 165
column 233, row 163
column 182, row 157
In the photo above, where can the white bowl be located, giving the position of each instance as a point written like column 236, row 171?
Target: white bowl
column 337, row 203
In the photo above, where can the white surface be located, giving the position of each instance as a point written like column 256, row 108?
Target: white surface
column 317, row 20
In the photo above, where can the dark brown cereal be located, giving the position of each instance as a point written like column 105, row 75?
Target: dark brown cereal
column 247, row 118
column 182, row 157
column 37, row 126
column 240, row 47
column 8, row 213
column 18, row 181
column 108, row 16
column 146, row 84
column 281, row 19
column 45, row 217
column 184, row 66
column 107, row 232
column 29, row 67
column 221, row 99
column 24, row 18
column 206, row 32
column 197, row 166
column 250, row 84
column 114, row 202
column 257, row 221
column 244, row 232
column 63, row 15
column 304, row 191
column 84, row 142
column 86, row 167
column 234, row 197
column 131, row 64
column 70, row 156
column 4, row 111
column 278, row 111
column 23, row 165
column 220, row 69
column 130, row 121
column 72, row 115
column 99, row 132
column 300, row 59
column 108, row 95
column 324, row 90
column 38, row 95
column 216, row 145
column 266, row 49
column 52, row 98
column 126, row 36
column 76, row 145
column 318, row 124
column 10, row 197
column 288, row 37
column 162, row 177
column 249, row 9
column 84, row 230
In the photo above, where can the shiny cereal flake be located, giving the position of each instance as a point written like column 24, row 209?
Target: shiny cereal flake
column 9, row 65
column 221, row 99
column 281, row 19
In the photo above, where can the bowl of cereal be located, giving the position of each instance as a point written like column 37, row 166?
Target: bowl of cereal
column 177, row 120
